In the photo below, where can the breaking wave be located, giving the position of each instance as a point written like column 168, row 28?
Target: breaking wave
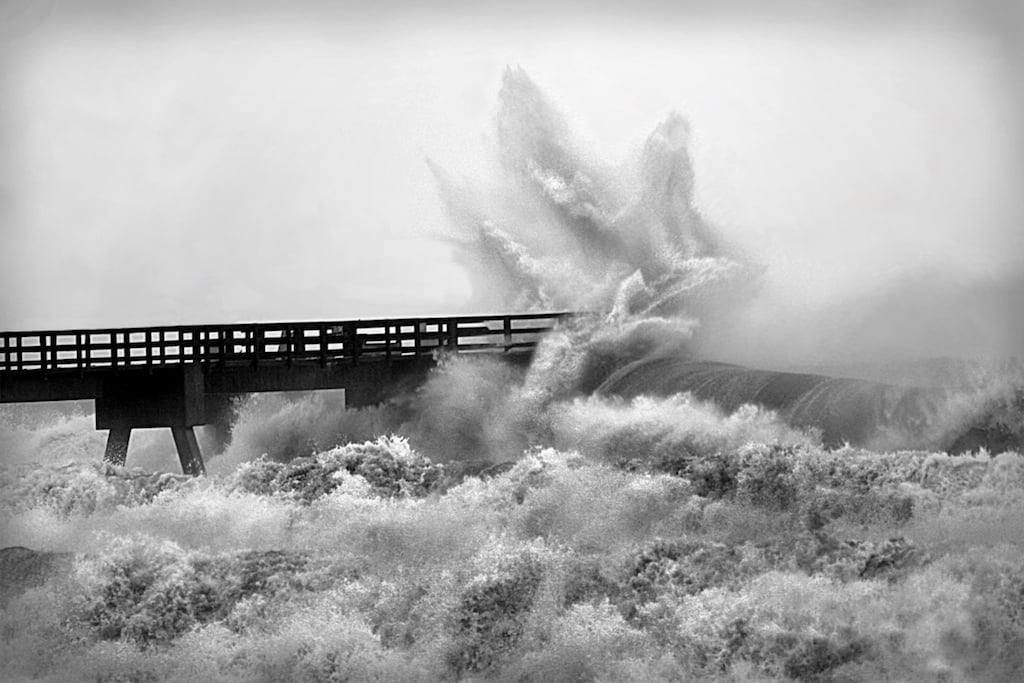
column 625, row 508
column 633, row 250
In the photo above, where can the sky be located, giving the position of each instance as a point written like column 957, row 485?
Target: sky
column 165, row 163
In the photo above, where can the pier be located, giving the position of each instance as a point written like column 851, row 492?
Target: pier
column 184, row 376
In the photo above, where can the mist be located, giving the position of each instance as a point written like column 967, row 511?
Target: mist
column 199, row 166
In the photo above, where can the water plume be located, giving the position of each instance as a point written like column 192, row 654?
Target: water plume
column 567, row 232
column 562, row 231
column 629, row 246
column 286, row 425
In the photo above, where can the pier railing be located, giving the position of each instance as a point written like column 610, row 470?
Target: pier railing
column 322, row 342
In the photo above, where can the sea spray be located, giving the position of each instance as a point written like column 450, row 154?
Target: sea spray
column 571, row 235
column 283, row 426
column 528, row 570
column 662, row 429
column 630, row 247
column 647, row 538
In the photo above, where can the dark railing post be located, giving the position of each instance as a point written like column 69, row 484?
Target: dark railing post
column 204, row 348
column 507, row 328
column 288, row 344
column 453, row 334
column 387, row 342
column 322, row 331
column 42, row 352
column 352, row 340
column 257, row 342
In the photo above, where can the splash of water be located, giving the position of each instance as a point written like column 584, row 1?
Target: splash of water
column 566, row 232
column 562, row 231
column 631, row 247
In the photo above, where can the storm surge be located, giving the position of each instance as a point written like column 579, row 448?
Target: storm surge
column 627, row 508
column 841, row 410
column 630, row 246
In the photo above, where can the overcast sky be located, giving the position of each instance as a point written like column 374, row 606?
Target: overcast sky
column 168, row 162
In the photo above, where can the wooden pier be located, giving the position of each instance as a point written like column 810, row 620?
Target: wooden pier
column 181, row 376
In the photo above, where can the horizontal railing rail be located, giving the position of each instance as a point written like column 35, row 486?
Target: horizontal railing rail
column 323, row 342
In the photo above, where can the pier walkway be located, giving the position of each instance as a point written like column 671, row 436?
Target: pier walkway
column 183, row 376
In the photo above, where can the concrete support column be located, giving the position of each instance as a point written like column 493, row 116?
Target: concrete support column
column 117, row 445
column 220, row 414
column 188, row 450
column 154, row 397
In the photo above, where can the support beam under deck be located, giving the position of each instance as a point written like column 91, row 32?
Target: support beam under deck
column 188, row 450
column 117, row 445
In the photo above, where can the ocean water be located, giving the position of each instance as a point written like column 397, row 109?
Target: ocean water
column 625, row 509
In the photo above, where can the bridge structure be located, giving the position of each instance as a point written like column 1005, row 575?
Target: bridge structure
column 184, row 376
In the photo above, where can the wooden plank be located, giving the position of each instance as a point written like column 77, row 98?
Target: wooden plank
column 481, row 347
column 531, row 330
